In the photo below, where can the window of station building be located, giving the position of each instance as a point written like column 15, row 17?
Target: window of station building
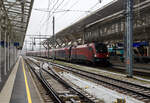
column 116, row 27
column 11, row 1
column 122, row 26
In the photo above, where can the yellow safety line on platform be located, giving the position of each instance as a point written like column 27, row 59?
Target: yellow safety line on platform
column 26, row 83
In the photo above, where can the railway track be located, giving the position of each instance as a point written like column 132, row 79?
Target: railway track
column 138, row 71
column 134, row 90
column 43, row 92
column 46, row 92
column 136, row 67
column 137, row 91
column 60, row 90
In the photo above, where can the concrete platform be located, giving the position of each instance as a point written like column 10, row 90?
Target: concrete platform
column 20, row 87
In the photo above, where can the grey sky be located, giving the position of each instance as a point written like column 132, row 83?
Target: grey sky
column 40, row 24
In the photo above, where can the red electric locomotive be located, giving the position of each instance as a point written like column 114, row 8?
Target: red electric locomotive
column 93, row 52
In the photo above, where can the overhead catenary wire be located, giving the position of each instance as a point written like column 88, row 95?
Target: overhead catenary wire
column 44, row 15
column 52, row 8
column 90, row 9
column 49, row 13
column 56, row 9
column 49, row 3
column 53, row 11
column 62, row 10
column 70, row 8
column 46, row 28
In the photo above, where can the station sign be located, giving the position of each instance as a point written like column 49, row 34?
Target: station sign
column 2, row 43
column 140, row 44
column 137, row 44
column 16, row 44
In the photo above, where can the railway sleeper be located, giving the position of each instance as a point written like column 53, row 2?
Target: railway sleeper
column 68, row 97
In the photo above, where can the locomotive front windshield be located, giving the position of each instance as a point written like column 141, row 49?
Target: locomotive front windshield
column 101, row 48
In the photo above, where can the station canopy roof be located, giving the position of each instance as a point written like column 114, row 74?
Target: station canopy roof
column 112, row 10
column 75, row 30
column 78, row 27
column 18, row 13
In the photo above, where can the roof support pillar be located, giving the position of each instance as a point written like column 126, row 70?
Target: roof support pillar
column 129, row 33
column 8, row 52
column 0, row 39
column 5, row 48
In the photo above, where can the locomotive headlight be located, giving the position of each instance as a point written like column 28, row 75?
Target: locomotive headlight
column 95, row 55
column 107, row 55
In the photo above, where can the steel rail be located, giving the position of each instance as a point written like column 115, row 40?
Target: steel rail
column 46, row 85
column 67, row 67
column 55, row 76
column 68, row 86
column 126, row 88
column 144, row 91
column 136, row 67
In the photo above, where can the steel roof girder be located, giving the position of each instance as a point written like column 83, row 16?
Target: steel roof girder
column 17, row 12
